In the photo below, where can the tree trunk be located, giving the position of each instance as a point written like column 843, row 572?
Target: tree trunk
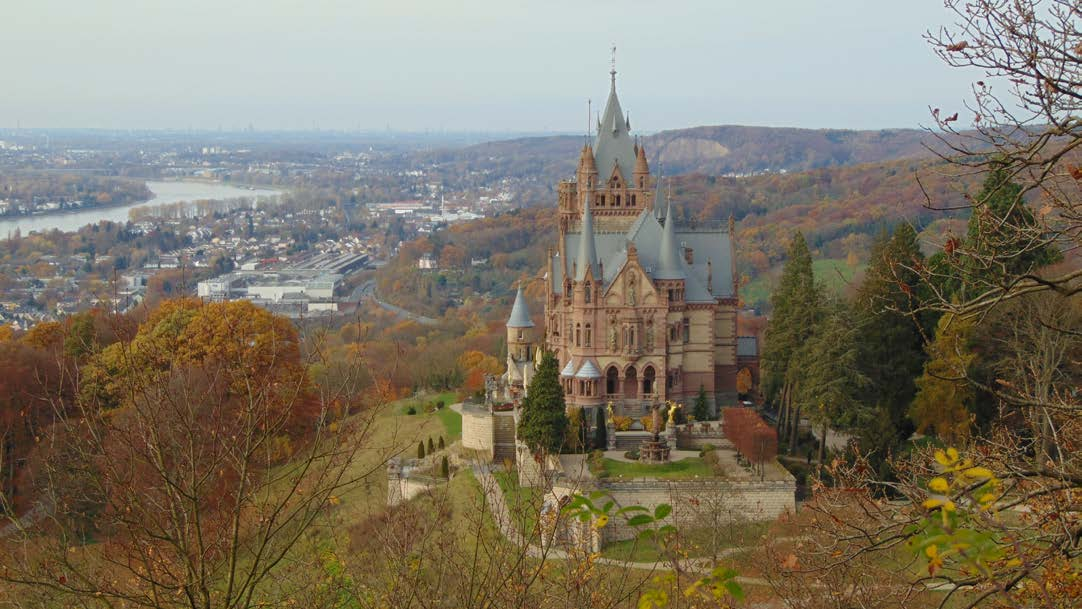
column 783, row 410
column 823, row 446
column 793, row 431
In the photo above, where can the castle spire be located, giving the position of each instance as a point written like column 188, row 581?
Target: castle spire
column 613, row 146
column 520, row 313
column 587, row 258
column 669, row 258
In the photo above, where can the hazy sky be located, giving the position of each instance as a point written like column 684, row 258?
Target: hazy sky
column 494, row 65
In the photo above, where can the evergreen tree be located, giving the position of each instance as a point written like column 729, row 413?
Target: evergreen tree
column 420, row 450
column 601, row 434
column 945, row 399
column 702, row 406
column 445, row 468
column 831, row 381
column 998, row 246
column 441, row 444
column 796, row 310
column 892, row 331
column 543, row 424
column 431, row 446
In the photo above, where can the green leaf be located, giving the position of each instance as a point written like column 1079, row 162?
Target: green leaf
column 639, row 520
column 608, row 507
column 662, row 511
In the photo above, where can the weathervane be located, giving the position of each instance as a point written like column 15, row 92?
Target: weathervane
column 613, row 70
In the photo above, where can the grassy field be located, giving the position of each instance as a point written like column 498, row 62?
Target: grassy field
column 693, row 543
column 691, row 467
column 523, row 503
column 834, row 273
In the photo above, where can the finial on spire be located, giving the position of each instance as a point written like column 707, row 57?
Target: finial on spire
column 612, row 71
column 589, row 115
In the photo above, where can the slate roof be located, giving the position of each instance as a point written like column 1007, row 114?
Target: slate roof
column 647, row 234
column 613, row 144
column 588, row 371
column 747, row 346
column 520, row 313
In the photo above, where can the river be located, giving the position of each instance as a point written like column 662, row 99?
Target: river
column 164, row 192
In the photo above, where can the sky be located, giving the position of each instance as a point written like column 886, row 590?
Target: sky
column 470, row 65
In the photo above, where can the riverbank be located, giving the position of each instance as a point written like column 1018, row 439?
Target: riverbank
column 165, row 193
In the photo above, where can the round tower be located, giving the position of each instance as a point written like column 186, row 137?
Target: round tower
column 520, row 330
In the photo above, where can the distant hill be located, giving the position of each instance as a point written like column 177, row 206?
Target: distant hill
column 716, row 150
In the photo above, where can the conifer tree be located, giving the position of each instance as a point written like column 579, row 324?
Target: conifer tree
column 702, row 406
column 420, row 450
column 544, row 422
column 796, row 310
column 892, row 330
column 445, row 468
column 831, row 380
column 601, row 434
column 431, row 446
column 441, row 444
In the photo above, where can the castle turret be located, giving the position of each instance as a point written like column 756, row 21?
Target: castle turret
column 641, row 177
column 587, row 255
column 520, row 330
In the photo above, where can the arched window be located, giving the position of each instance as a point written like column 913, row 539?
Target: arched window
column 578, row 335
column 617, row 204
column 588, row 295
column 589, row 335
column 612, row 379
column 648, row 380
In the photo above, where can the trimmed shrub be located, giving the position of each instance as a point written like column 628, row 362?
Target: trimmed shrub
column 441, row 444
column 420, row 450
column 431, row 446
column 411, row 410
column 445, row 468
column 440, row 404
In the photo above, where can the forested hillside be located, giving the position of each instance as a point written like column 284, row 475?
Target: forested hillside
column 712, row 150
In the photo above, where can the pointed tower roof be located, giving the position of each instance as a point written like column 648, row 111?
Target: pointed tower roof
column 586, row 159
column 587, row 258
column 613, row 145
column 641, row 166
column 520, row 313
column 668, row 258
column 661, row 200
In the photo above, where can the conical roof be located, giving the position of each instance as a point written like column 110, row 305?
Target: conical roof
column 668, row 259
column 661, row 200
column 520, row 313
column 613, row 144
column 587, row 257
column 588, row 371
column 641, row 166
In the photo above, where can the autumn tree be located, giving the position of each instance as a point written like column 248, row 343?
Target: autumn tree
column 188, row 468
column 945, row 401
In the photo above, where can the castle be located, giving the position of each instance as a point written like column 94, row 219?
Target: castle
column 638, row 309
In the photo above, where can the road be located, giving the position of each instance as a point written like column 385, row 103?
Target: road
column 367, row 291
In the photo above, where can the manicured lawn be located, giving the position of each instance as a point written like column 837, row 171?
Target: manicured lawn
column 684, row 468
column 834, row 273
column 693, row 543
column 452, row 422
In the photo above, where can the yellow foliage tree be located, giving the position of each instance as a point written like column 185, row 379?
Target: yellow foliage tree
column 944, row 398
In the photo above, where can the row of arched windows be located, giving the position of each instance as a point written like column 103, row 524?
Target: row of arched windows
column 631, row 384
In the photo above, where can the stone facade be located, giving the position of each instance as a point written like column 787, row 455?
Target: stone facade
column 637, row 309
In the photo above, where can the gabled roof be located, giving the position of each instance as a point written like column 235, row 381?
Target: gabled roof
column 520, row 313
column 704, row 282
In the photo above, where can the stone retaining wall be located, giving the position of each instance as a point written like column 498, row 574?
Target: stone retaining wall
column 701, row 502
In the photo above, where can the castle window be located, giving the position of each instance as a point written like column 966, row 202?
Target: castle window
column 589, row 335
column 642, row 183
column 617, row 201
column 588, row 295
column 578, row 335
column 611, row 380
column 520, row 334
column 648, row 381
column 687, row 330
column 633, row 197
column 671, row 293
